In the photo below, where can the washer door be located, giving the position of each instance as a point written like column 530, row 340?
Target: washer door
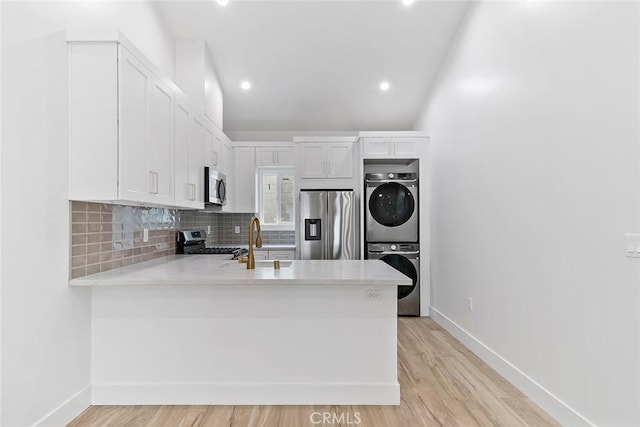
column 404, row 266
column 391, row 204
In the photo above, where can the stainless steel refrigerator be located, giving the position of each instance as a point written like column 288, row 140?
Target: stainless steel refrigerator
column 328, row 225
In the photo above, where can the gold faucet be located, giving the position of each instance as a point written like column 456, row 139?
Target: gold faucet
column 251, row 261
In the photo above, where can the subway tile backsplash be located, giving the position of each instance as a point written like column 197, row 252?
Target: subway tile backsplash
column 223, row 228
column 105, row 237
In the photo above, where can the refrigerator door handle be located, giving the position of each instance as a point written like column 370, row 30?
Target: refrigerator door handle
column 329, row 235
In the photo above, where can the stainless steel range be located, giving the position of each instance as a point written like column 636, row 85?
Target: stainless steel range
column 192, row 242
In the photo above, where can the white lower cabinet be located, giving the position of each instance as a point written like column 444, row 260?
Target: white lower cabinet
column 274, row 254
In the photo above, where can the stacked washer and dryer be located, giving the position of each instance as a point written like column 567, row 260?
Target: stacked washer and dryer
column 392, row 230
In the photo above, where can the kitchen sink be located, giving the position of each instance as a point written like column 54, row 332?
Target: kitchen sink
column 259, row 264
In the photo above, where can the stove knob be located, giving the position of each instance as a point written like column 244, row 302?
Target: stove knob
column 392, row 175
column 394, row 247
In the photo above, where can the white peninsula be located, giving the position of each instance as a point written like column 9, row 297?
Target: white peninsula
column 205, row 330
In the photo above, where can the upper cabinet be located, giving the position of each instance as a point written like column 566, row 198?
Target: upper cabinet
column 195, row 75
column 121, row 127
column 392, row 148
column 244, row 179
column 134, row 137
column 326, row 160
column 189, row 138
column 276, row 155
column 212, row 145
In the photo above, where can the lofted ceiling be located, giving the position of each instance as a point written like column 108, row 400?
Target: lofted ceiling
column 317, row 65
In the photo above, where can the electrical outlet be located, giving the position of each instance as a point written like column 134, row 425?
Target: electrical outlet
column 237, row 229
column 208, row 229
column 470, row 300
column 372, row 294
column 145, row 235
column 632, row 245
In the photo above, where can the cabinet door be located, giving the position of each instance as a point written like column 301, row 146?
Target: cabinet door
column 260, row 255
column 244, row 167
column 160, row 142
column 195, row 190
column 313, row 160
column 280, row 255
column 133, row 173
column 265, row 156
column 285, row 156
column 182, row 132
column 211, row 146
column 226, row 166
column 227, row 157
column 407, row 148
column 376, row 148
column 340, row 160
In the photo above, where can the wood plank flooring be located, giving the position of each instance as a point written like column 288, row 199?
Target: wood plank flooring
column 442, row 384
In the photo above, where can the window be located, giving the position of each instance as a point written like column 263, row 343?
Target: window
column 276, row 199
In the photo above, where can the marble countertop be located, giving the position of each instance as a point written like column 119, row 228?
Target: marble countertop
column 220, row 270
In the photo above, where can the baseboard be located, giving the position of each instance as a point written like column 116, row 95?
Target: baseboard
column 68, row 410
column 559, row 410
column 247, row 394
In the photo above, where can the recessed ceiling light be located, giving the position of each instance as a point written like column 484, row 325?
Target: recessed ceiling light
column 226, row 2
column 245, row 85
column 407, row 2
column 384, row 86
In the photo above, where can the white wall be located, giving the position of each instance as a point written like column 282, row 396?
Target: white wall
column 535, row 142
column 45, row 330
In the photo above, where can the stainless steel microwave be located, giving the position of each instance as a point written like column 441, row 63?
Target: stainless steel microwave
column 215, row 187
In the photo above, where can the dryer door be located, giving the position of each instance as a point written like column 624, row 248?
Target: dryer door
column 391, row 204
column 406, row 267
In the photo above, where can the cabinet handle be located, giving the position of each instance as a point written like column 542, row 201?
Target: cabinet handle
column 329, row 171
column 154, row 182
column 324, row 167
column 273, row 158
column 277, row 161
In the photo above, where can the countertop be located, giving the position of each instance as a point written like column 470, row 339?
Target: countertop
column 219, row 270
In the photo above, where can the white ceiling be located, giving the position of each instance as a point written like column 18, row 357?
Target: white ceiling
column 316, row 65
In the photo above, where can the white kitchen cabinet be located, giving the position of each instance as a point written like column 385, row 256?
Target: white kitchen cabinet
column 244, row 179
column 121, row 127
column 281, row 255
column 275, row 156
column 326, row 160
column 268, row 254
column 188, row 140
column 145, row 139
column 226, row 154
column 392, row 148
column 212, row 145
column 260, row 255
column 226, row 167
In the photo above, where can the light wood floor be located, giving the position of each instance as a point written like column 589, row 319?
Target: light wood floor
column 441, row 382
